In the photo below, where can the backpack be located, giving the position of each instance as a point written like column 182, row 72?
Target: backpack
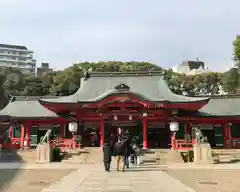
column 119, row 148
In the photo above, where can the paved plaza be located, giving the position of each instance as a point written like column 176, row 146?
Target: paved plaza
column 53, row 177
column 94, row 178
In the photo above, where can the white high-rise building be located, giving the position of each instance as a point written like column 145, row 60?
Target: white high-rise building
column 17, row 56
column 191, row 68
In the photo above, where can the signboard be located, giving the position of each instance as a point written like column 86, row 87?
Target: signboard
column 122, row 98
column 157, row 125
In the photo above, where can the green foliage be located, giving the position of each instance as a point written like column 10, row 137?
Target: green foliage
column 231, row 81
column 67, row 82
column 236, row 50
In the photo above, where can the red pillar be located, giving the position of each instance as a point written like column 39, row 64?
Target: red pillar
column 225, row 135
column 28, row 127
column 102, row 132
column 22, row 137
column 229, row 136
column 144, row 128
column 173, row 141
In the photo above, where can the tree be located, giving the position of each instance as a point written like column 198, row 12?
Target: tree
column 207, row 84
column 230, row 81
column 236, row 50
column 3, row 98
column 13, row 81
column 66, row 82
column 33, row 86
column 47, row 80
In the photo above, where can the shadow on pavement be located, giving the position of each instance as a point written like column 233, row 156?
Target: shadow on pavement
column 10, row 165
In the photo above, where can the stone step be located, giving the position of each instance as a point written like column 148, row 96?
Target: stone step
column 72, row 162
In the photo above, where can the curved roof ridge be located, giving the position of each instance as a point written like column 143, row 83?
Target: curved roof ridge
column 151, row 87
column 162, row 84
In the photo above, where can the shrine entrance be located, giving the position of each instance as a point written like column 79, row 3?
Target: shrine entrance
column 132, row 127
column 158, row 135
column 91, row 135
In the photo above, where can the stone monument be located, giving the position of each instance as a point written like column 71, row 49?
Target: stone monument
column 202, row 149
column 44, row 149
column 44, row 153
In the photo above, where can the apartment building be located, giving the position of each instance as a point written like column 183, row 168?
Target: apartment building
column 17, row 56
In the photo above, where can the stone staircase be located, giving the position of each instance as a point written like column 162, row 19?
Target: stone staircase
column 84, row 156
column 226, row 155
column 160, row 156
column 93, row 155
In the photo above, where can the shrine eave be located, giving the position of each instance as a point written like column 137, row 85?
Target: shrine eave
column 185, row 105
column 58, row 107
column 4, row 118
column 20, row 110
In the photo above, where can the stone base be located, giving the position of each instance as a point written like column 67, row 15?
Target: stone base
column 174, row 156
column 43, row 153
column 202, row 153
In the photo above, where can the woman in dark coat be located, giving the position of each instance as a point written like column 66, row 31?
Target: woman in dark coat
column 107, row 155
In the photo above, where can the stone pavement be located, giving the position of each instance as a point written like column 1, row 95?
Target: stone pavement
column 94, row 179
column 14, row 165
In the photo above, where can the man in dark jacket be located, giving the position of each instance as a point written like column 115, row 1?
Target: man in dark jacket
column 107, row 156
column 119, row 151
column 128, row 150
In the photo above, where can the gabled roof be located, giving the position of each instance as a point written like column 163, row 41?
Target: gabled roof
column 26, row 110
column 150, row 86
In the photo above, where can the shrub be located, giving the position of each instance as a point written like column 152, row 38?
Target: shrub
column 56, row 154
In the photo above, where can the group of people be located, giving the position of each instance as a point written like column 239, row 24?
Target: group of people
column 125, row 149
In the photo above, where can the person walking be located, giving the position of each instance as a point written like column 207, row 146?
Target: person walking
column 119, row 151
column 136, row 152
column 107, row 155
column 128, row 149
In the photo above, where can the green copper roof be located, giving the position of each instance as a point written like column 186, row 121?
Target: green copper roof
column 33, row 98
column 149, row 86
column 26, row 109
column 227, row 106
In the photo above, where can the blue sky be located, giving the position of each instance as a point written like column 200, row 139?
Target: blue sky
column 163, row 32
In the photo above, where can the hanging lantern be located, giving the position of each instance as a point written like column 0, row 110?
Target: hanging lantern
column 115, row 117
column 73, row 126
column 174, row 126
column 119, row 131
column 130, row 117
column 144, row 114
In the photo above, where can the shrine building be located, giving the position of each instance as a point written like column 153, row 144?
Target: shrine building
column 140, row 102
